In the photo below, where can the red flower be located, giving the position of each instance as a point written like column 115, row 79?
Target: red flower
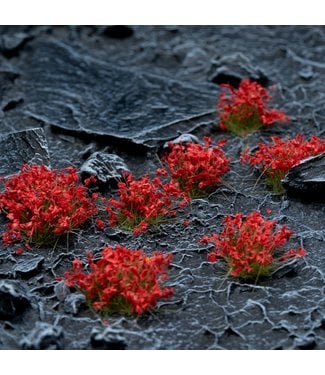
column 249, row 245
column 42, row 204
column 277, row 158
column 143, row 202
column 186, row 223
column 100, row 224
column 123, row 280
column 197, row 169
column 19, row 251
column 90, row 180
column 245, row 109
column 292, row 253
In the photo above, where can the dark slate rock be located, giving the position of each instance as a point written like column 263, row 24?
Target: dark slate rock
column 5, row 274
column 13, row 299
column 8, row 74
column 118, row 32
column 28, row 146
column 231, row 69
column 183, row 139
column 29, row 267
column 7, row 79
column 43, row 336
column 107, row 339
column 307, row 180
column 6, row 268
column 306, row 73
column 194, row 57
column 286, row 270
column 12, row 104
column 88, row 96
column 61, row 290
column 107, row 168
column 74, row 302
column 10, row 44
column 305, row 343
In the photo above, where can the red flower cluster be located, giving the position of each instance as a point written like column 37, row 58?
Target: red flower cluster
column 144, row 202
column 248, row 245
column 245, row 109
column 42, row 204
column 197, row 168
column 276, row 159
column 122, row 281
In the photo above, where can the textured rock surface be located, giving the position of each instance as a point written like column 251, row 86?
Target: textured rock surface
column 30, row 266
column 108, row 339
column 43, row 336
column 231, row 69
column 82, row 94
column 11, row 43
column 184, row 139
column 307, row 180
column 107, row 168
column 73, row 303
column 13, row 299
column 22, row 147
column 78, row 83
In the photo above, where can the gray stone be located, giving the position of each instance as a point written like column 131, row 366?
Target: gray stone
column 28, row 146
column 232, row 68
column 43, row 336
column 61, row 290
column 107, row 339
column 194, row 57
column 183, row 139
column 9, row 44
column 74, row 302
column 306, row 73
column 85, row 95
column 307, row 180
column 13, row 299
column 29, row 267
column 107, row 168
column 7, row 79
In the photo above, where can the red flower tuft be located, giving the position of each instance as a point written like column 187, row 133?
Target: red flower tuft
column 42, row 204
column 249, row 245
column 245, row 109
column 198, row 169
column 19, row 251
column 186, row 223
column 90, row 180
column 144, row 202
column 100, row 224
column 122, row 281
column 277, row 158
